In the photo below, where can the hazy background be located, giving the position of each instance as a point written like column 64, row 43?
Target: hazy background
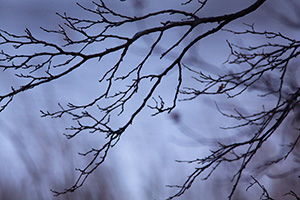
column 35, row 156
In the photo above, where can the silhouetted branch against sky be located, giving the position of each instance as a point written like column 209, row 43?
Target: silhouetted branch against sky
column 131, row 88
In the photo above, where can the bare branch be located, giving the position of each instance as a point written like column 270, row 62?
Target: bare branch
column 133, row 87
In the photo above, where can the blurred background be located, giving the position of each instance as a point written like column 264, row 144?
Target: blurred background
column 35, row 156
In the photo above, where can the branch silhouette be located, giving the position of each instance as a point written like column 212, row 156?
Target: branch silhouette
column 125, row 83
